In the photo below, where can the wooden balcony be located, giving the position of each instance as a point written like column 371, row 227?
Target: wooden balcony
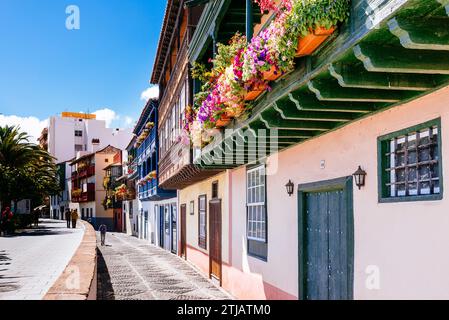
column 85, row 196
column 389, row 52
column 84, row 173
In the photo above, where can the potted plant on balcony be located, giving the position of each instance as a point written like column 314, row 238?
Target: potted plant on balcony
column 314, row 21
column 149, row 125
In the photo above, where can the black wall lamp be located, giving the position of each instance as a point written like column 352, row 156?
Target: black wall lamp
column 290, row 188
column 360, row 177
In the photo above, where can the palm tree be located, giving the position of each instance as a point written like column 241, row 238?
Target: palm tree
column 26, row 171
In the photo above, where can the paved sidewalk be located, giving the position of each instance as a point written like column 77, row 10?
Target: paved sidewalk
column 30, row 262
column 132, row 269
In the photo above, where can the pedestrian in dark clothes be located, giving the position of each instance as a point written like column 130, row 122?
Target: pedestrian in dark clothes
column 68, row 217
column 103, row 229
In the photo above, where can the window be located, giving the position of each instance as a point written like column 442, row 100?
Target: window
column 256, row 212
column 192, row 207
column 78, row 133
column 79, row 147
column 215, row 190
column 202, row 222
column 410, row 164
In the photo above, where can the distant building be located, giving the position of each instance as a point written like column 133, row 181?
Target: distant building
column 72, row 133
column 88, row 194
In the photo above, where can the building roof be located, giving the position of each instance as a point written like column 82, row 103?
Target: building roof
column 149, row 106
column 107, row 149
column 168, row 26
column 112, row 165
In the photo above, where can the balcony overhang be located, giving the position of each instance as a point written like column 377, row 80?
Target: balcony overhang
column 188, row 175
column 381, row 58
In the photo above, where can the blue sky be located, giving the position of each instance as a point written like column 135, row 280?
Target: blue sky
column 46, row 69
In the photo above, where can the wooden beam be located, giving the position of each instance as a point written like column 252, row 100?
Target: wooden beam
column 284, row 133
column 428, row 34
column 401, row 60
column 278, row 122
column 308, row 101
column 356, row 76
column 290, row 112
column 331, row 91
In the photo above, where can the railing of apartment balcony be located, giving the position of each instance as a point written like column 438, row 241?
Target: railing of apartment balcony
column 148, row 189
column 147, row 147
column 173, row 83
column 87, row 196
column 83, row 173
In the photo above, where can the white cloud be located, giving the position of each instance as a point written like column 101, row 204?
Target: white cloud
column 129, row 121
column 107, row 115
column 31, row 125
column 151, row 93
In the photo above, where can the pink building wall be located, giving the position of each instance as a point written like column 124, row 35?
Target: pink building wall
column 407, row 242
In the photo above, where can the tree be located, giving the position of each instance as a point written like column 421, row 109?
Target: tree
column 26, row 171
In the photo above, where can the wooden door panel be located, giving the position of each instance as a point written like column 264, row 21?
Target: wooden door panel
column 326, row 231
column 215, row 258
column 183, row 251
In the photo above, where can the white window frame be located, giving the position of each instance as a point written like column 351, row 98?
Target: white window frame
column 256, row 204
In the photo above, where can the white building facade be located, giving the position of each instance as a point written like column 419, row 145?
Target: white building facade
column 72, row 134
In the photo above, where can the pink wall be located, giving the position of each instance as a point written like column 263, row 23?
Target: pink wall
column 406, row 242
column 239, row 284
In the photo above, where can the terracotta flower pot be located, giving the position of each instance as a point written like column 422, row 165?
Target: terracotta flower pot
column 272, row 74
column 223, row 121
column 234, row 112
column 255, row 92
column 308, row 44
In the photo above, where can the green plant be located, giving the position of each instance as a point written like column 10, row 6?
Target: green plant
column 308, row 15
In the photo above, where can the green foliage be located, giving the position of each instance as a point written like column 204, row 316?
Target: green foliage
column 26, row 171
column 310, row 14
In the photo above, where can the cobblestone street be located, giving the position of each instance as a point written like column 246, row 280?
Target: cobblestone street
column 132, row 269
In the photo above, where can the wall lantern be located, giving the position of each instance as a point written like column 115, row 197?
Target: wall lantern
column 290, row 188
column 359, row 177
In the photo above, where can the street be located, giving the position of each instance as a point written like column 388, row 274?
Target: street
column 32, row 260
column 132, row 269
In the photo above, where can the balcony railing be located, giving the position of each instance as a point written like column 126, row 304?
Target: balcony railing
column 148, row 189
column 84, row 173
column 145, row 150
column 85, row 196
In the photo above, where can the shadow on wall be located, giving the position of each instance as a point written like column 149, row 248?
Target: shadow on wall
column 105, row 290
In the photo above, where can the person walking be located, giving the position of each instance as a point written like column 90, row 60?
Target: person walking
column 75, row 217
column 103, row 229
column 68, row 217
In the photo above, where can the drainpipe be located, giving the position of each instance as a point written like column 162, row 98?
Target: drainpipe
column 249, row 20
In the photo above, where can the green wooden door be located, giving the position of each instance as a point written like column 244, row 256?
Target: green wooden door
column 327, row 244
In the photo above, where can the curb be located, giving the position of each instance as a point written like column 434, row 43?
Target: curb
column 79, row 279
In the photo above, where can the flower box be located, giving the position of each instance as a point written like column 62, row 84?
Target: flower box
column 308, row 44
column 223, row 121
column 252, row 95
column 272, row 74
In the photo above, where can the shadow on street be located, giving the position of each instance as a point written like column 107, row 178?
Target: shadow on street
column 6, row 283
column 105, row 290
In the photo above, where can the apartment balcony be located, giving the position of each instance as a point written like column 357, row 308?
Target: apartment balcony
column 81, row 197
column 150, row 191
column 147, row 148
column 388, row 52
column 84, row 173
